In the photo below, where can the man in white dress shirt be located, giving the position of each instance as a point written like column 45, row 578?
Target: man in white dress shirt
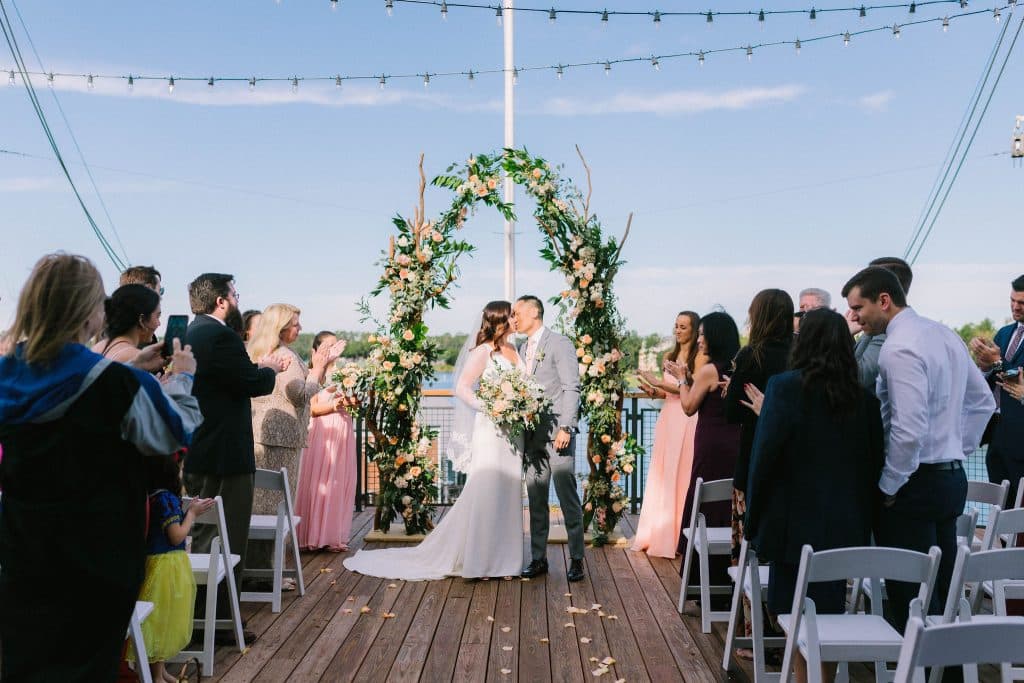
column 935, row 405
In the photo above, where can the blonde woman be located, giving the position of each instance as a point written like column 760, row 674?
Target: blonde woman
column 280, row 420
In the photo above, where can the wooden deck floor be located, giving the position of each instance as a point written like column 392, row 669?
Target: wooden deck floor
column 498, row 630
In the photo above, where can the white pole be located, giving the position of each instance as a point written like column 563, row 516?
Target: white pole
column 510, row 226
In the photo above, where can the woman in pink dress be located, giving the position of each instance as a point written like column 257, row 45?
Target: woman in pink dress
column 327, row 480
column 672, row 456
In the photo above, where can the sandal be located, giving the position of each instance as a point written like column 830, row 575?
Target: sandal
column 288, row 585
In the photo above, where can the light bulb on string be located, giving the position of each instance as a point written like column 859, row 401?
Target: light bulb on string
column 337, row 81
column 657, row 19
column 515, row 76
column 913, row 8
column 295, row 84
column 750, row 53
column 382, row 82
column 444, row 10
column 88, row 83
column 896, row 31
column 389, row 7
column 131, row 83
column 170, row 85
column 552, row 15
column 604, row 18
column 710, row 19
column 559, row 72
column 760, row 19
column 209, row 83
column 863, row 12
column 10, row 78
column 472, row 76
column 846, row 39
column 252, row 84
column 49, row 79
column 700, row 58
column 945, row 24
column 655, row 63
column 996, row 14
column 426, row 80
column 497, row 15
column 607, row 68
column 963, row 4
column 814, row 14
column 334, row 5
column 797, row 46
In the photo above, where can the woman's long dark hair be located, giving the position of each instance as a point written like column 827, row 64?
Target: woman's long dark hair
column 824, row 353
column 691, row 354
column 494, row 326
column 126, row 305
column 721, row 337
column 771, row 319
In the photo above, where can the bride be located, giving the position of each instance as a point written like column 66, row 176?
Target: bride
column 482, row 534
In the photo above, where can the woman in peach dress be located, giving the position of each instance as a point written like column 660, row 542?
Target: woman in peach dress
column 327, row 480
column 657, row 532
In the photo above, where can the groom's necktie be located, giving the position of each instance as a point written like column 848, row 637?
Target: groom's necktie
column 1011, row 350
column 531, row 350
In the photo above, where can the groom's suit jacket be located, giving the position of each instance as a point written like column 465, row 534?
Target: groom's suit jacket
column 556, row 369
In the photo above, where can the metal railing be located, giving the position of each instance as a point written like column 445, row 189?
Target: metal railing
column 639, row 415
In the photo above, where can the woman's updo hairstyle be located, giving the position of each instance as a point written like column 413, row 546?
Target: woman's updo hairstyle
column 127, row 306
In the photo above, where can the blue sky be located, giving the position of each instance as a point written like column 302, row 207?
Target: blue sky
column 788, row 170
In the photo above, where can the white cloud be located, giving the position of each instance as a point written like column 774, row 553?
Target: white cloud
column 26, row 184
column 673, row 102
column 363, row 94
column 878, row 101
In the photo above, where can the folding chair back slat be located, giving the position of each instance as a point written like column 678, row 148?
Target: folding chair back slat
column 1005, row 524
column 992, row 641
column 988, row 493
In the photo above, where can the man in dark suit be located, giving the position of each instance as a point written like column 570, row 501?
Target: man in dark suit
column 1005, row 458
column 220, row 461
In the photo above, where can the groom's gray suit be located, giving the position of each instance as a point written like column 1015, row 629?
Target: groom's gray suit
column 556, row 369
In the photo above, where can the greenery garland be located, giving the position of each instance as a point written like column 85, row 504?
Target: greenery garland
column 418, row 268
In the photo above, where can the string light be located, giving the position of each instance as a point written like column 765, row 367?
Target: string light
column 963, row 4
column 10, row 78
column 426, row 80
column 337, row 81
column 996, row 15
column 170, row 85
column 711, row 17
column 209, row 83
column 295, row 84
column 559, row 68
column 382, row 82
column 389, row 7
column 760, row 18
column 49, row 79
column 497, row 15
column 89, row 84
column 552, row 16
column 334, row 5
column 846, row 39
column 444, row 10
column 604, row 17
column 814, row 14
column 750, row 53
column 655, row 63
column 657, row 19
column 472, row 76
column 863, row 11
column 913, row 8
column 945, row 24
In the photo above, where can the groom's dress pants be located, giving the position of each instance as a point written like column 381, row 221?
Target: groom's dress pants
column 560, row 467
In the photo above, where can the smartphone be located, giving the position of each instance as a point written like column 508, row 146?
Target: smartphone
column 176, row 327
column 1012, row 372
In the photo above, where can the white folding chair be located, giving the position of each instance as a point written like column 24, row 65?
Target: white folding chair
column 965, row 643
column 742, row 574
column 705, row 541
column 139, row 614
column 275, row 528
column 210, row 570
column 1001, row 570
column 1002, row 530
column 1019, row 501
column 986, row 493
column 966, row 524
column 851, row 637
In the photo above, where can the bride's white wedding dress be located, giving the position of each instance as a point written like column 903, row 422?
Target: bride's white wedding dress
column 482, row 534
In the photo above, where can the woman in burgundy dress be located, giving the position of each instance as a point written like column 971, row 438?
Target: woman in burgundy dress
column 716, row 443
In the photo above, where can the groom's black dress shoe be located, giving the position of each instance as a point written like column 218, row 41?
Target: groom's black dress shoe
column 536, row 568
column 575, row 572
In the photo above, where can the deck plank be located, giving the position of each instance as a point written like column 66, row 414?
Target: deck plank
column 565, row 648
column 534, row 654
column 441, row 656
column 507, row 614
column 392, row 636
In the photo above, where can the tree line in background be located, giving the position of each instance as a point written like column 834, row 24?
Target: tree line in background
column 451, row 344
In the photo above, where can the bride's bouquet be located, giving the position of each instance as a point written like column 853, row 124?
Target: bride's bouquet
column 512, row 400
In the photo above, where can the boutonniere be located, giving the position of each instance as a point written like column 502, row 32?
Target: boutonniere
column 538, row 357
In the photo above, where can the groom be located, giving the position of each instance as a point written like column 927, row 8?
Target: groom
column 551, row 360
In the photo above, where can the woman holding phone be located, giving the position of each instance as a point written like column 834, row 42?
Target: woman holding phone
column 132, row 315
column 672, row 455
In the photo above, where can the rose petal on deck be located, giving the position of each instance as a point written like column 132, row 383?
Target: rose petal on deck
column 490, row 618
column 506, row 672
column 506, row 648
column 570, row 625
column 600, row 671
column 388, row 615
column 544, row 640
column 506, row 629
column 326, row 570
column 608, row 661
column 392, row 585
column 346, row 611
column 595, row 606
column 585, row 640
column 365, row 610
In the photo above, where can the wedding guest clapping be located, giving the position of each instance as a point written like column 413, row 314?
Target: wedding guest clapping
column 716, row 443
column 327, row 484
column 672, row 457
column 816, row 459
column 75, row 427
column 280, row 419
column 132, row 319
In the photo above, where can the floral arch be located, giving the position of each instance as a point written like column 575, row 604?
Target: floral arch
column 419, row 267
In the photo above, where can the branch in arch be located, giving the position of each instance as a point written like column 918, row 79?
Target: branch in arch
column 622, row 242
column 419, row 215
column 590, row 187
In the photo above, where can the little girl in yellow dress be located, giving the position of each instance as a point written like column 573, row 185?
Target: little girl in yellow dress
column 169, row 582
